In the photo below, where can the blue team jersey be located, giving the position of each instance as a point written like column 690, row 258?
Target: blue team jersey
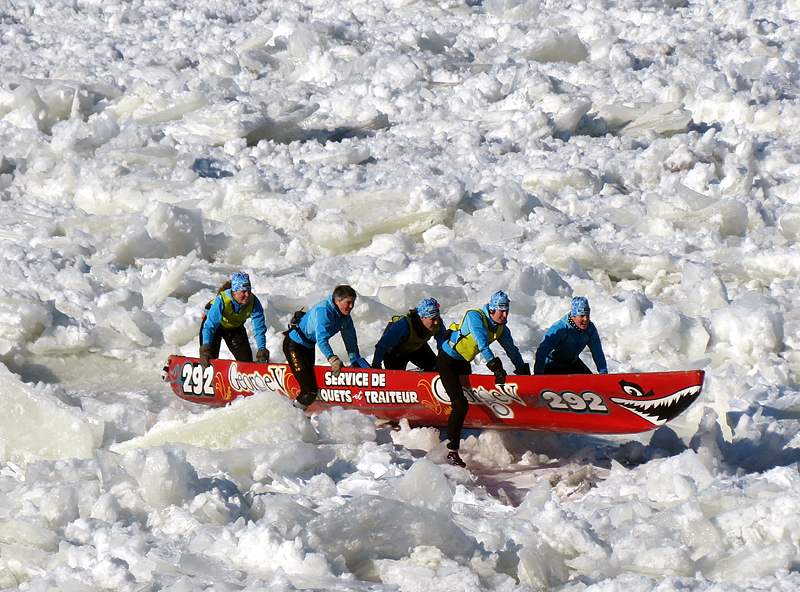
column 321, row 323
column 563, row 343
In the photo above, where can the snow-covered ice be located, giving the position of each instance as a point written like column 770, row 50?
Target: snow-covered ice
column 643, row 153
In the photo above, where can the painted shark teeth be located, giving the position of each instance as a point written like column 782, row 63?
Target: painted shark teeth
column 659, row 411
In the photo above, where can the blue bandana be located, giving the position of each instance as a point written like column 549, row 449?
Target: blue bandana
column 499, row 301
column 240, row 281
column 580, row 306
column 428, row 308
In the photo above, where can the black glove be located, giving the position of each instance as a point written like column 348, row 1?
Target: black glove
column 262, row 356
column 205, row 355
column 524, row 370
column 496, row 366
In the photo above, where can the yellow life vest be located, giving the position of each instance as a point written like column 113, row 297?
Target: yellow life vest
column 414, row 341
column 466, row 345
column 231, row 318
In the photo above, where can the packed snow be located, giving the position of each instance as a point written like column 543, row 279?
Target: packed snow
column 642, row 153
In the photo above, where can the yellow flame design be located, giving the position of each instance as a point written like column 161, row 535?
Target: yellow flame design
column 432, row 402
column 226, row 394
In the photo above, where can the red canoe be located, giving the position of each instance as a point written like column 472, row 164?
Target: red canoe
column 588, row 404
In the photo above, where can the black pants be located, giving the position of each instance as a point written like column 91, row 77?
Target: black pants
column 576, row 367
column 450, row 372
column 236, row 339
column 423, row 358
column 301, row 363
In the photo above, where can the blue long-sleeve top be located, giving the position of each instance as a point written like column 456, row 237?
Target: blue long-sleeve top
column 399, row 332
column 214, row 317
column 472, row 326
column 563, row 343
column 321, row 323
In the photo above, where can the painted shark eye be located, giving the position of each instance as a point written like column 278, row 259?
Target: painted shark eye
column 634, row 390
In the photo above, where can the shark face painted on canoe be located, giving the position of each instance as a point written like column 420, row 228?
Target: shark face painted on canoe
column 656, row 410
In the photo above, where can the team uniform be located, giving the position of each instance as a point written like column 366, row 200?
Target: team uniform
column 473, row 335
column 559, row 351
column 317, row 327
column 406, row 340
column 225, row 319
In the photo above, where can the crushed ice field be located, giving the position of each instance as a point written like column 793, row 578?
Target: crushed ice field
column 642, row 153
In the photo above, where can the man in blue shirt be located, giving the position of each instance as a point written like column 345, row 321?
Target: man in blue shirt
column 225, row 318
column 406, row 339
column 316, row 327
column 566, row 339
column 477, row 330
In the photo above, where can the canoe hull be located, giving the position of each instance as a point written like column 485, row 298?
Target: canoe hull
column 587, row 404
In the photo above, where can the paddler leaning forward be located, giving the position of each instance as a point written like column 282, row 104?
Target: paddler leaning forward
column 316, row 327
column 406, row 339
column 473, row 335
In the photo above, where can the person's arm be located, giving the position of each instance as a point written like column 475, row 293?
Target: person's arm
column 323, row 327
column 351, row 342
column 507, row 343
column 596, row 347
column 259, row 324
column 395, row 334
column 441, row 335
column 476, row 328
column 213, row 320
column 546, row 347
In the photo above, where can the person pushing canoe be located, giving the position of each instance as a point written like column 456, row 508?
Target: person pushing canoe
column 566, row 339
column 316, row 327
column 477, row 330
column 406, row 339
column 225, row 318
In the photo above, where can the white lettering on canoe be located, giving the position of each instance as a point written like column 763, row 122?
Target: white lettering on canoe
column 348, row 379
column 335, row 395
column 273, row 380
column 499, row 399
column 391, row 397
